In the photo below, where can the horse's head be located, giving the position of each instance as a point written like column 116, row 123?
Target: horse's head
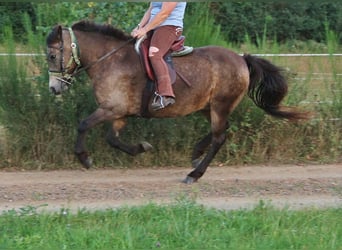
column 62, row 58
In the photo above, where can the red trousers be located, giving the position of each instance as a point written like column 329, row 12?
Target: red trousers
column 161, row 41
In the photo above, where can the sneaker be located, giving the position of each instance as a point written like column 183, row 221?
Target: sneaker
column 160, row 102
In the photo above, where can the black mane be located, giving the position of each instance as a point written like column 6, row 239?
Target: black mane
column 104, row 29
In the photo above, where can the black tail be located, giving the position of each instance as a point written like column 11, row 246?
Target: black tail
column 268, row 87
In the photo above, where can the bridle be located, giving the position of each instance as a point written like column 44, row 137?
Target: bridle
column 64, row 75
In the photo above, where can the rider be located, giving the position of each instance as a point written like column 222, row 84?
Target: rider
column 165, row 20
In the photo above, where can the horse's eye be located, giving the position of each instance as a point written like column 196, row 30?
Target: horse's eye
column 52, row 57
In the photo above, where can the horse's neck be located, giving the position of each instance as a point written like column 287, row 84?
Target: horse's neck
column 92, row 47
column 122, row 58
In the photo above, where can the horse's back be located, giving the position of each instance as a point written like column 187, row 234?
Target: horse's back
column 212, row 62
column 220, row 55
column 213, row 73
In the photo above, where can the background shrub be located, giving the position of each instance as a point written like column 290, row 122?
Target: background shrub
column 38, row 130
column 283, row 20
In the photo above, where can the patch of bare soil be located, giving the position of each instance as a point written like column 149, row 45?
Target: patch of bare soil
column 291, row 186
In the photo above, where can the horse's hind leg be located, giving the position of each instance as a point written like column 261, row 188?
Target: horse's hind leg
column 218, row 138
column 200, row 148
column 114, row 140
column 202, row 145
column 217, row 142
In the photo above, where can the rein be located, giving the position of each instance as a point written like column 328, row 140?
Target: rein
column 102, row 57
column 66, row 77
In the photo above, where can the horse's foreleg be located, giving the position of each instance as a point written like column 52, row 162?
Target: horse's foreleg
column 114, row 140
column 80, row 149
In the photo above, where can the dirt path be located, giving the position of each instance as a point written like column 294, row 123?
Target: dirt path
column 221, row 187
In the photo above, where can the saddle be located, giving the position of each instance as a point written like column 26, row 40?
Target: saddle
column 177, row 49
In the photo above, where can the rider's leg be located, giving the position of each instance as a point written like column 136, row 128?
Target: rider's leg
column 161, row 41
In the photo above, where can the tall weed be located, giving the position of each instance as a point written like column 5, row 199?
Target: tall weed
column 40, row 129
column 200, row 27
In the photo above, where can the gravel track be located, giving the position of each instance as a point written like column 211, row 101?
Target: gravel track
column 291, row 186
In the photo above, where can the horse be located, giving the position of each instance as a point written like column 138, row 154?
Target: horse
column 219, row 79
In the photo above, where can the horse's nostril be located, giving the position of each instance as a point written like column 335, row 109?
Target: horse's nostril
column 54, row 91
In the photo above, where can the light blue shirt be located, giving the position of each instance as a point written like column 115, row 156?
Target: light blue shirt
column 176, row 17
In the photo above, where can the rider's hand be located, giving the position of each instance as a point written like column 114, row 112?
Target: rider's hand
column 133, row 33
column 138, row 32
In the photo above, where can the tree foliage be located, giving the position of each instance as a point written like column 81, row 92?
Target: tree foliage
column 283, row 20
column 124, row 15
column 12, row 15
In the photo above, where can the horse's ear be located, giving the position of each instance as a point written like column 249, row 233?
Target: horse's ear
column 55, row 35
column 59, row 32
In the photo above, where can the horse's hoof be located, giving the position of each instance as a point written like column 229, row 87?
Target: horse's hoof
column 189, row 180
column 88, row 163
column 84, row 160
column 195, row 163
column 146, row 146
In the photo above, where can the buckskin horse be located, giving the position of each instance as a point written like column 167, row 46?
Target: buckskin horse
column 219, row 78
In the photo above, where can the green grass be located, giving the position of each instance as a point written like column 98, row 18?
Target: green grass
column 184, row 225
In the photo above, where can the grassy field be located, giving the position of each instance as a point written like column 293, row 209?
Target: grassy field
column 183, row 225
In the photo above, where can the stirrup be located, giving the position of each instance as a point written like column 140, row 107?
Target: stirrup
column 160, row 102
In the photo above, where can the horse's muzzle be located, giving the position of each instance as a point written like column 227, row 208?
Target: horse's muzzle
column 57, row 85
column 54, row 91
